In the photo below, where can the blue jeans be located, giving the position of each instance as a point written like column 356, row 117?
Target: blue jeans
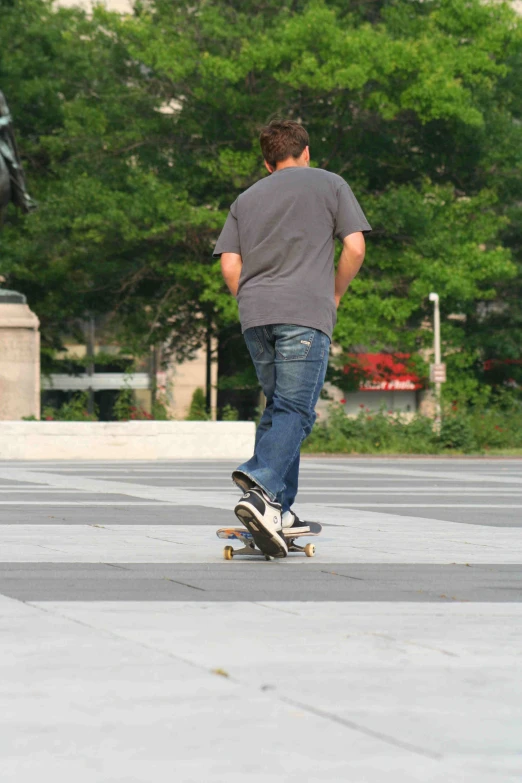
column 290, row 363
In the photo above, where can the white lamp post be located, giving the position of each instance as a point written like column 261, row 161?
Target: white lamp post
column 437, row 370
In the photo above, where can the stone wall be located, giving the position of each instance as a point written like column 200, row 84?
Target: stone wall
column 19, row 360
column 138, row 440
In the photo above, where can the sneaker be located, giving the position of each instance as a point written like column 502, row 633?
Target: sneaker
column 262, row 517
column 243, row 481
column 292, row 524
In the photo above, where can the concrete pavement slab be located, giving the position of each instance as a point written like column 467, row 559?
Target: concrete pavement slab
column 99, row 705
column 433, row 683
column 402, row 663
column 354, row 537
column 249, row 582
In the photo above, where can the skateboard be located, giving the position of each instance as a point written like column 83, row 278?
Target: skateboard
column 249, row 548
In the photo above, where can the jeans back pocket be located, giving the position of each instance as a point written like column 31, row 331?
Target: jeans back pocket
column 293, row 343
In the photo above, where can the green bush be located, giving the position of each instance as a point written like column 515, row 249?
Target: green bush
column 457, row 433
column 467, row 430
column 198, row 407
column 74, row 409
column 229, row 413
column 126, row 409
column 496, row 427
column 159, row 411
column 371, row 433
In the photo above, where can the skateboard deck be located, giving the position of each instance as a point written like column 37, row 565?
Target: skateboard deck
column 249, row 548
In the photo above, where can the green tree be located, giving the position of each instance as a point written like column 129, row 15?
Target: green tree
column 198, row 408
column 415, row 103
column 137, row 142
column 117, row 232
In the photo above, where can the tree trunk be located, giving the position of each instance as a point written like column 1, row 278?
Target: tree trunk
column 91, row 338
column 208, row 382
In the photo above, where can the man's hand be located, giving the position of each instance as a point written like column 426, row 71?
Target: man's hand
column 350, row 262
column 231, row 265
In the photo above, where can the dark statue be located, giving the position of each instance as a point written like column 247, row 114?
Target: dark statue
column 12, row 181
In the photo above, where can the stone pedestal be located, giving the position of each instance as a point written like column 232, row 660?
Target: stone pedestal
column 19, row 358
column 427, row 403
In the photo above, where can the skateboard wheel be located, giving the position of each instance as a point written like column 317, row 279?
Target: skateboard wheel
column 228, row 553
column 309, row 550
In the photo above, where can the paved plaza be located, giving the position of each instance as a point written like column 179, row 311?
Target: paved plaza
column 132, row 652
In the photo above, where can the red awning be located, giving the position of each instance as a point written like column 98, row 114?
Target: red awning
column 384, row 372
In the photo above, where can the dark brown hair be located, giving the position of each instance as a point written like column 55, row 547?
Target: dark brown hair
column 282, row 139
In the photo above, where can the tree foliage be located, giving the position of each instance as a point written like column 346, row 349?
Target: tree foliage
column 138, row 131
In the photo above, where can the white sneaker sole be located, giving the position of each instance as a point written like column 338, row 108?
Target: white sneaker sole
column 287, row 531
column 268, row 540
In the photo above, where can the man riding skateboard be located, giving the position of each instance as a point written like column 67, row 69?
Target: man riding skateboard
column 277, row 258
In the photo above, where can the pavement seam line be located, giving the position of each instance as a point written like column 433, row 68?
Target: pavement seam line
column 185, row 584
column 114, row 634
column 362, row 729
column 344, row 576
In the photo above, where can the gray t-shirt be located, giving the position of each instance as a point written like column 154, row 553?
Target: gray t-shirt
column 284, row 227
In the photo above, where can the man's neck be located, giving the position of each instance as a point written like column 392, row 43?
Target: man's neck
column 290, row 163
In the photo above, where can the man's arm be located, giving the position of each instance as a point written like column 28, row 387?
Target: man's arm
column 231, row 265
column 350, row 262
